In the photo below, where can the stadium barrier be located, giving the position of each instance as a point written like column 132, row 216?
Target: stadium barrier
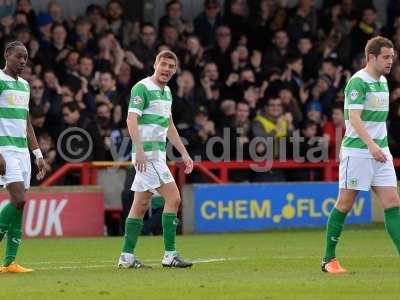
column 71, row 211
column 110, row 176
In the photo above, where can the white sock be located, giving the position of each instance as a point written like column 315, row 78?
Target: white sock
column 169, row 253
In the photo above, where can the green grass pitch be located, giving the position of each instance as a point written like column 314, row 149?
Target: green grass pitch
column 268, row 265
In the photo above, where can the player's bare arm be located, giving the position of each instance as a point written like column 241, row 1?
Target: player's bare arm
column 34, row 147
column 133, row 128
column 175, row 139
column 374, row 149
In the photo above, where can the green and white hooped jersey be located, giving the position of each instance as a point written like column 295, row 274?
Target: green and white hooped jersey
column 372, row 97
column 153, row 106
column 14, row 109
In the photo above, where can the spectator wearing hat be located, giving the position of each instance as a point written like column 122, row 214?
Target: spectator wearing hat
column 44, row 23
column 206, row 23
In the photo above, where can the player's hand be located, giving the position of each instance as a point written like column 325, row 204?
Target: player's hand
column 41, row 164
column 2, row 165
column 377, row 153
column 140, row 160
column 188, row 163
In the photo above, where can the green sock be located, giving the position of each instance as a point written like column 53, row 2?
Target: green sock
column 333, row 229
column 133, row 228
column 13, row 238
column 392, row 224
column 169, row 224
column 7, row 214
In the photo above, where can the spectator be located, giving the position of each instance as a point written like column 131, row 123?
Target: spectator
column 334, row 130
column 97, row 18
column 236, row 19
column 142, row 53
column 277, row 55
column 91, row 142
column 121, row 143
column 303, row 20
column 38, row 120
column 206, row 23
column 58, row 50
column 174, row 18
column 38, row 98
column 312, row 148
column 56, row 12
column 260, row 33
column 220, row 52
column 187, row 102
column 271, row 125
column 365, row 29
column 45, row 23
column 125, row 31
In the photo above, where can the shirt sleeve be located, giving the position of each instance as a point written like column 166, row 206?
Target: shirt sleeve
column 138, row 100
column 355, row 94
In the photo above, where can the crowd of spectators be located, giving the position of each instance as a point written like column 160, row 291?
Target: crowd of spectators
column 249, row 70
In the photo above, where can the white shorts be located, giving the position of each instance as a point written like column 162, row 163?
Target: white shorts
column 18, row 168
column 157, row 173
column 356, row 173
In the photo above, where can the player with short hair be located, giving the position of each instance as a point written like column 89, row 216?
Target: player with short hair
column 365, row 159
column 149, row 124
column 16, row 135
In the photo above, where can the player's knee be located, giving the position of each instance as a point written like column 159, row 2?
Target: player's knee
column 175, row 202
column 344, row 206
column 393, row 201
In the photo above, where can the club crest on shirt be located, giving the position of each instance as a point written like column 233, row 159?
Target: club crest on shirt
column 354, row 94
column 137, row 100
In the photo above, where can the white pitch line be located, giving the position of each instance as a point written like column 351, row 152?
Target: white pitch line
column 108, row 265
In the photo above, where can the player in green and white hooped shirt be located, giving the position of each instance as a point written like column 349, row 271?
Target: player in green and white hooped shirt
column 16, row 134
column 365, row 159
column 149, row 124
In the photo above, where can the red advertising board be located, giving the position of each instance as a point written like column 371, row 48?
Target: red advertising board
column 62, row 212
